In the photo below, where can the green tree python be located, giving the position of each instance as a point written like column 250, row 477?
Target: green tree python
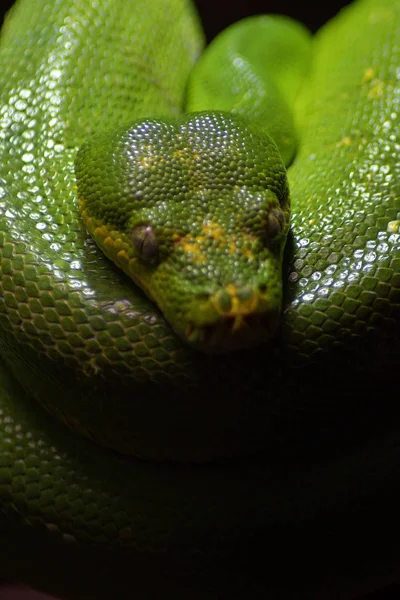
column 257, row 377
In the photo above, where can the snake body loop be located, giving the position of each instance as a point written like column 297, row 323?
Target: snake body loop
column 78, row 337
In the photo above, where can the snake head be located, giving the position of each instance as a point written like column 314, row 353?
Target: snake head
column 196, row 211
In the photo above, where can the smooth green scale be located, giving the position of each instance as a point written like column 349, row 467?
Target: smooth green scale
column 258, row 81
column 231, row 523
column 65, row 303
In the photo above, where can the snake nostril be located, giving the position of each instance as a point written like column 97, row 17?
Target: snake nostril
column 224, row 300
column 244, row 293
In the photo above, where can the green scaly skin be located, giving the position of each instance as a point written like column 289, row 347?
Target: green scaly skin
column 211, row 192
column 196, row 209
column 259, row 82
column 69, row 321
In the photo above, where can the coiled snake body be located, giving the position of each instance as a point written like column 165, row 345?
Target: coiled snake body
column 80, row 339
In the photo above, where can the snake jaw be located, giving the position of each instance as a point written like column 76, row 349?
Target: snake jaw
column 233, row 318
column 232, row 333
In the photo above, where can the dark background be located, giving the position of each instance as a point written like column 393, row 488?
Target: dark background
column 217, row 14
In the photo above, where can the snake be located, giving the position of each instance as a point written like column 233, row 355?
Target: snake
column 199, row 307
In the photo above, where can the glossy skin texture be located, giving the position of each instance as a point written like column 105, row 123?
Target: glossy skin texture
column 63, row 302
column 196, row 211
column 259, row 82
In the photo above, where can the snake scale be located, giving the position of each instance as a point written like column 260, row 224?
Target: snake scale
column 318, row 403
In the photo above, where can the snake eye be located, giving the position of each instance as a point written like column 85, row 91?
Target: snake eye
column 275, row 222
column 144, row 242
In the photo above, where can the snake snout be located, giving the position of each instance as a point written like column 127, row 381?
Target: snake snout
column 232, row 333
column 232, row 318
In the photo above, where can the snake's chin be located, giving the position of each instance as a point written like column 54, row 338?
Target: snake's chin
column 232, row 333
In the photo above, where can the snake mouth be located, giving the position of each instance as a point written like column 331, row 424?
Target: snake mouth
column 233, row 332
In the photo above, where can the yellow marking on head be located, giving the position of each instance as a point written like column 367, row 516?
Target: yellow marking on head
column 194, row 249
column 232, row 246
column 87, row 220
column 100, row 234
column 377, row 90
column 122, row 258
column 186, row 156
column 95, row 227
column 147, row 161
column 117, row 246
column 369, row 74
column 180, row 154
column 192, row 245
column 239, row 307
column 114, row 244
column 231, row 289
column 108, row 242
column 346, row 141
column 246, row 251
column 149, row 156
column 213, row 230
column 375, row 84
